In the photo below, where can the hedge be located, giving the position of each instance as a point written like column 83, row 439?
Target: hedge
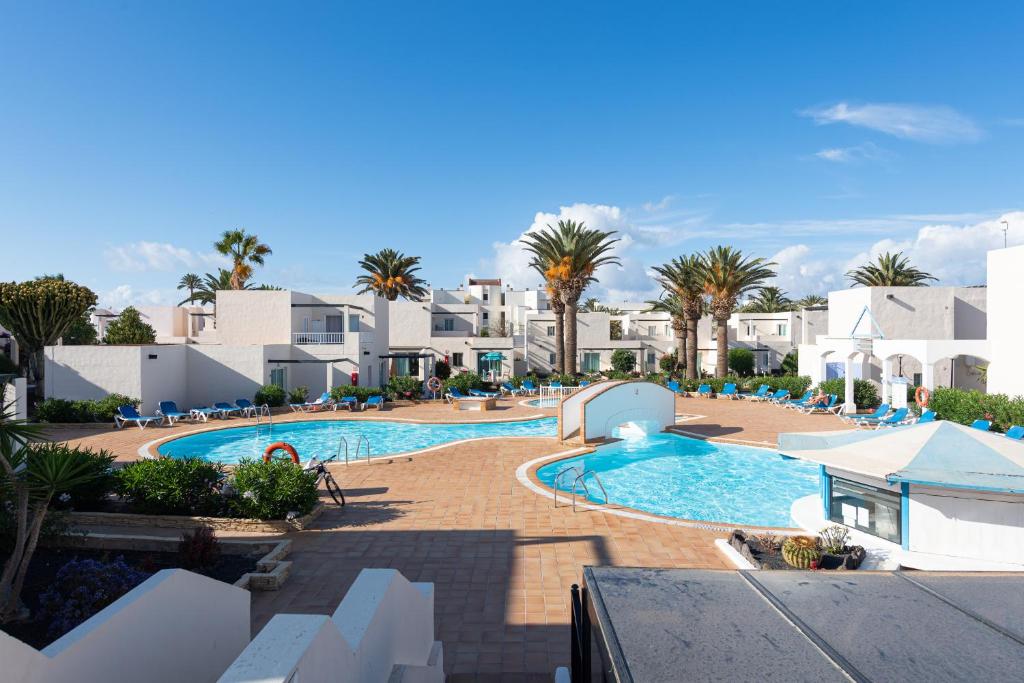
column 865, row 395
column 361, row 393
column 964, row 407
column 60, row 410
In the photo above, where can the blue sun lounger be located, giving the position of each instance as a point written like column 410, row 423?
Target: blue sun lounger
column 899, row 417
column 704, row 391
column 350, row 402
column 778, row 397
column 1016, row 432
column 983, row 425
column 759, row 395
column 454, row 393
column 126, row 414
column 247, row 407
column 529, row 387
column 830, row 407
column 673, row 386
column 729, row 391
column 483, row 394
column 798, row 402
column 205, row 412
column 375, row 402
column 928, row 416
column 169, row 409
column 880, row 412
column 510, row 389
column 227, row 408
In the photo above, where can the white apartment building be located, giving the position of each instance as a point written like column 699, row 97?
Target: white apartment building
column 262, row 337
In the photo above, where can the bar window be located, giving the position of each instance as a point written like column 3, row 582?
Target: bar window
column 866, row 508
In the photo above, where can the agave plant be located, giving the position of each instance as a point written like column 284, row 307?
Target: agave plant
column 570, row 254
column 727, row 276
column 890, row 270
column 245, row 251
column 391, row 274
column 683, row 278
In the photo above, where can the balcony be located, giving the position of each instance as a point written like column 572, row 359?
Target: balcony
column 318, row 337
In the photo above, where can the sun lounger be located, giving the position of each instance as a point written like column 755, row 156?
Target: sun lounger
column 529, row 387
column 453, row 393
column 205, row 412
column 584, row 383
column 798, row 402
column 704, row 391
column 830, row 407
column 169, row 409
column 483, row 394
column 510, row 389
column 227, row 408
column 729, row 391
column 555, row 385
column 350, row 402
column 880, row 412
column 1016, row 432
column 983, row 425
column 126, row 414
column 759, row 395
column 778, row 397
column 673, row 386
column 374, row 402
column 322, row 403
column 897, row 418
column 928, row 416
column 249, row 408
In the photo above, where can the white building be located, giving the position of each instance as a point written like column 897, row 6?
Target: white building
column 262, row 337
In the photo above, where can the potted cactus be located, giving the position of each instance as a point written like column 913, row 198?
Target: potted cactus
column 800, row 552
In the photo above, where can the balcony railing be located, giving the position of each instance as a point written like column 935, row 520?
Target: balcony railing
column 318, row 337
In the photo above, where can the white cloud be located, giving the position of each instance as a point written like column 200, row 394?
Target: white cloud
column 800, row 272
column 936, row 124
column 142, row 256
column 126, row 295
column 857, row 153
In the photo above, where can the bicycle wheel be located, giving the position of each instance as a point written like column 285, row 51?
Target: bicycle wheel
column 332, row 488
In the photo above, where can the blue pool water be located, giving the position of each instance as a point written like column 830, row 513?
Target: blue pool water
column 544, row 402
column 675, row 476
column 321, row 438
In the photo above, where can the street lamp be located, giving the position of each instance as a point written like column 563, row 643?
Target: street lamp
column 1006, row 227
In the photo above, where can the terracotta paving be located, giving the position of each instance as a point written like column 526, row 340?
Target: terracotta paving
column 501, row 557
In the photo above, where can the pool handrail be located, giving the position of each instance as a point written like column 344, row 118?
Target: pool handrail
column 583, row 476
column 571, row 468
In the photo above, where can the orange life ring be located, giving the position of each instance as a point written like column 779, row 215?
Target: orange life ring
column 281, row 446
column 921, row 397
column 434, row 384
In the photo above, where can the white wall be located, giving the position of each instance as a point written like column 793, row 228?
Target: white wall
column 16, row 393
column 383, row 622
column 1005, row 324
column 247, row 317
column 175, row 626
column 621, row 402
column 968, row 524
column 92, row 372
column 224, row 373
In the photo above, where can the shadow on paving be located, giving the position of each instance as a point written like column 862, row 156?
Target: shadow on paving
column 491, row 612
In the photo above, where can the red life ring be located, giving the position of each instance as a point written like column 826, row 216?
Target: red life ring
column 921, row 397
column 281, row 446
column 434, row 384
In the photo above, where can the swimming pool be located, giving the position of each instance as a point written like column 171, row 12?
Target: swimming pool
column 321, row 437
column 676, row 476
column 543, row 402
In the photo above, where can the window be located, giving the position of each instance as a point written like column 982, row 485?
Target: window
column 750, row 330
column 334, row 324
column 652, row 330
column 485, row 316
column 486, row 296
column 591, row 362
column 353, row 322
column 782, row 329
column 279, row 377
column 668, row 332
column 456, row 360
column 551, row 357
column 866, row 508
column 449, row 324
column 651, row 360
column 551, row 330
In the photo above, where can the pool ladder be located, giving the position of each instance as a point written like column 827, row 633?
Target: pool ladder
column 578, row 481
column 343, row 442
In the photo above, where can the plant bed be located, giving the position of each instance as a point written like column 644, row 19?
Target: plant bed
column 48, row 561
column 765, row 552
column 131, row 519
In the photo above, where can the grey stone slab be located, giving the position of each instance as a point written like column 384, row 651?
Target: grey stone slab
column 994, row 597
column 891, row 630
column 695, row 625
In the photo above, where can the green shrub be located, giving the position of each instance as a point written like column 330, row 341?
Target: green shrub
column 298, row 395
column 623, row 360
column 796, row 384
column 405, row 387
column 103, row 410
column 565, row 378
column 129, row 328
column 56, row 410
column 270, row 394
column 964, row 407
column 272, row 490
column 464, row 381
column 741, row 361
column 667, row 363
column 168, row 486
column 361, row 393
column 865, row 395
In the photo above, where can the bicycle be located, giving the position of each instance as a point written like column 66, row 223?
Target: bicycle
column 324, row 475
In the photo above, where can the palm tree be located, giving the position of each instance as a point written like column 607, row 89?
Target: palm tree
column 683, row 277
column 245, row 251
column 573, row 253
column 727, row 276
column 890, row 270
column 671, row 304
column 594, row 306
column 812, row 300
column 769, row 300
column 391, row 274
column 191, row 282
column 546, row 254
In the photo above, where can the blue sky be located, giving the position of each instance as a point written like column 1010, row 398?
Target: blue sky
column 132, row 134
